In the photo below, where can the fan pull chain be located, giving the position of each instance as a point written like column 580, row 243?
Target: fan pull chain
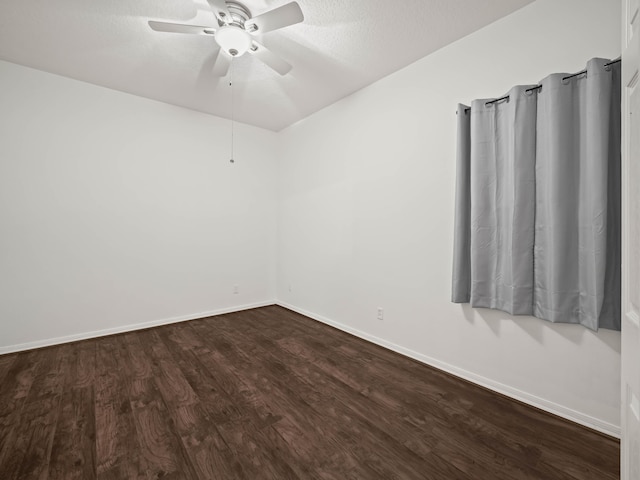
column 232, row 113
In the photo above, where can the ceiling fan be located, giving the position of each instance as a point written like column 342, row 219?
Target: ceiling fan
column 236, row 32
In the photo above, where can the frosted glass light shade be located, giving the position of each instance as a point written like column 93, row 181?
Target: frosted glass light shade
column 233, row 40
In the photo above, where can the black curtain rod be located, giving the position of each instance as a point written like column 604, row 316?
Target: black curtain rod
column 585, row 71
column 506, row 97
column 574, row 75
column 538, row 87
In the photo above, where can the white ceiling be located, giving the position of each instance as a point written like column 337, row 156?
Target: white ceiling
column 342, row 46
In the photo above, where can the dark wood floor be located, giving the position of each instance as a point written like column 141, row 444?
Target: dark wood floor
column 269, row 394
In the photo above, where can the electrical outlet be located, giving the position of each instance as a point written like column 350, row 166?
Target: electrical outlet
column 290, row 287
column 380, row 313
column 236, row 289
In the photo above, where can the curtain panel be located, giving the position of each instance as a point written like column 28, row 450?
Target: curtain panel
column 537, row 215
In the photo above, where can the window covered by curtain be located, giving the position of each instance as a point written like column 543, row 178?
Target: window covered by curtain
column 537, row 226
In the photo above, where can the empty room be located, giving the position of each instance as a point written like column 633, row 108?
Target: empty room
column 320, row 239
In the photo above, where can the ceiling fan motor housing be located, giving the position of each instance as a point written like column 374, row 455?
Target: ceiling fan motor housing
column 239, row 14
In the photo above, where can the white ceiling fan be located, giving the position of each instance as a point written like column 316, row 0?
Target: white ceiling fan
column 236, row 32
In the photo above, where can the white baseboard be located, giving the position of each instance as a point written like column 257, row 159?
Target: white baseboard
column 127, row 328
column 541, row 403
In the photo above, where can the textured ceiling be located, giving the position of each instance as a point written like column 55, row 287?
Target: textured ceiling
column 342, row 46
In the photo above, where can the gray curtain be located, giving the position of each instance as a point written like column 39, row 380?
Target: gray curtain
column 537, row 227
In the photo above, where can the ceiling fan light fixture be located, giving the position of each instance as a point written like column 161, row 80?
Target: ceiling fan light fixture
column 233, row 40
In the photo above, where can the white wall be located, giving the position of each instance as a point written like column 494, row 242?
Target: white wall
column 366, row 201
column 117, row 210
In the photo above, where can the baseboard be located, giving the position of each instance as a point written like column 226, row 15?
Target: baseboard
column 128, row 328
column 538, row 402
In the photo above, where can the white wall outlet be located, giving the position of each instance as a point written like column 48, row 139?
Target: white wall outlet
column 380, row 313
column 236, row 289
column 289, row 287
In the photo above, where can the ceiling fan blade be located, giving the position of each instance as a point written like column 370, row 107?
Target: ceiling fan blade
column 222, row 64
column 270, row 59
column 280, row 17
column 181, row 28
column 220, row 10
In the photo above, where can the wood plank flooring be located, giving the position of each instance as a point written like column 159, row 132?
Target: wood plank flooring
column 270, row 394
